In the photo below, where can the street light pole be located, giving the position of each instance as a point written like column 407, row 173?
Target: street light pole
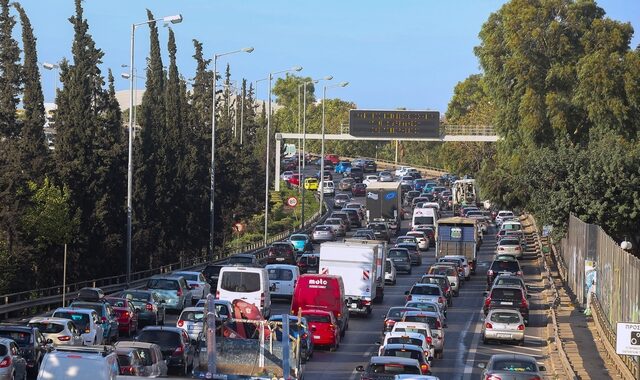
column 56, row 67
column 324, row 98
column 213, row 146
column 268, row 137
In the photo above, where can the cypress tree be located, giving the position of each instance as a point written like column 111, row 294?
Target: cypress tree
column 33, row 149
column 10, row 73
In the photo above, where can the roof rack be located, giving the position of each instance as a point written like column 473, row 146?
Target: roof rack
column 104, row 350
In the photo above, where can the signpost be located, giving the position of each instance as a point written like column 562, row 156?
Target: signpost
column 394, row 123
column 628, row 338
column 292, row 201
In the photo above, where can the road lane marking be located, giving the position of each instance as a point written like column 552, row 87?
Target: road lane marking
column 468, row 365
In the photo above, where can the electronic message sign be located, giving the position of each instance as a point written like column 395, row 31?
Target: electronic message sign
column 394, row 124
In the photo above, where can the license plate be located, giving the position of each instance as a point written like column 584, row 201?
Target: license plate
column 506, row 303
column 280, row 259
column 506, row 336
column 354, row 305
column 190, row 328
column 316, row 337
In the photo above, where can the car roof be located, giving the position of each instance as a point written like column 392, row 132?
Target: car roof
column 406, row 346
column 74, row 309
column 513, row 356
column 49, row 320
column 422, row 285
column 423, row 313
column 185, row 272
column 193, row 308
column 393, row 359
column 12, row 326
column 163, row 328
column 397, row 334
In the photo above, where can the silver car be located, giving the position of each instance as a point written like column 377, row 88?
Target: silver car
column 191, row 321
column 385, row 177
column 61, row 331
column 510, row 246
column 436, row 324
column 323, row 233
column 198, row 285
column 152, row 363
column 337, row 225
column 503, row 324
column 512, row 366
column 16, row 365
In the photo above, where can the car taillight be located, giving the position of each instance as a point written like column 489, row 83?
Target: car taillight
column 440, row 300
column 126, row 314
column 409, row 297
column 438, row 325
column 217, row 294
column 519, row 273
column 521, row 327
column 332, row 327
column 179, row 293
column 389, row 322
column 127, row 370
column 517, row 248
column 179, row 350
column 64, row 338
column 523, row 303
column 429, row 340
column 180, row 323
column 104, row 319
column 487, row 302
column 489, row 272
column 447, row 290
column 149, row 307
column 424, row 368
column 262, row 298
column 5, row 362
column 87, row 330
column 501, row 249
column 488, row 325
column 492, row 377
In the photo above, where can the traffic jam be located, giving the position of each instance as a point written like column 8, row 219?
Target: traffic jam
column 274, row 311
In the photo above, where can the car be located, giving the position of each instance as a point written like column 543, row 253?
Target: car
column 464, row 262
column 359, row 190
column 249, row 284
column 416, row 258
column 342, row 166
column 327, row 175
column 504, row 215
column 294, row 180
column 506, row 279
column 282, row 279
column 433, row 307
column 129, row 361
column 401, row 259
column 344, row 217
column 86, row 320
column 443, row 282
column 301, row 243
column 402, row 170
column 429, row 231
column 450, row 272
column 408, row 351
column 172, row 289
column 407, row 180
column 385, row 367
column 334, row 158
column 354, row 216
column 126, row 313
column 454, row 261
column 511, row 225
column 418, row 184
column 191, row 320
column 198, row 285
column 381, row 230
column 385, row 177
column 340, row 200
column 507, row 297
column 364, row 235
column 425, row 342
column 327, row 188
column 299, row 329
column 61, row 331
column 436, row 324
column 503, row 325
column 211, row 273
column 394, row 315
column 322, row 233
column 357, row 173
column 286, row 175
column 346, row 184
column 150, row 307
column 311, row 184
column 409, row 196
column 67, row 362
column 338, row 225
column 358, row 206
column 414, row 173
column 421, row 239
column 244, row 260
column 427, row 293
column 369, row 166
column 106, row 316
column 281, row 252
column 31, row 343
column 152, row 363
column 510, row 246
column 421, row 328
column 174, row 343
column 512, row 366
column 389, row 272
column 324, row 327
column 406, row 239
column 309, row 263
column 13, row 365
column 505, row 266
column 368, row 180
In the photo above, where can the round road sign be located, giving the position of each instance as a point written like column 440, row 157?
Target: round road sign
column 292, row 201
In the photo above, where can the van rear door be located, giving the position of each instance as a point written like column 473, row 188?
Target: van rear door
column 242, row 283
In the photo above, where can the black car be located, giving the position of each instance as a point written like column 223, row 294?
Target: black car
column 370, row 166
column 507, row 266
column 243, row 259
column 152, row 310
column 507, row 296
column 381, row 230
column 309, row 263
column 211, row 274
column 356, row 173
column 416, row 258
column 30, row 341
column 281, row 253
column 177, row 349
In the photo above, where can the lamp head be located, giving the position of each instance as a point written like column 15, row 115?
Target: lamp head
column 125, row 75
column 328, row 77
column 296, row 68
column 247, row 50
column 175, row 19
column 344, row 84
column 49, row 66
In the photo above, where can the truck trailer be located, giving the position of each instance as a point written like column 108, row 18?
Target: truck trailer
column 382, row 258
column 384, row 203
column 458, row 236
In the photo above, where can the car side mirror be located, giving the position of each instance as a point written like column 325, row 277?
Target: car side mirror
column 406, row 293
column 482, row 365
column 378, row 343
column 542, row 368
column 360, row 368
column 49, row 341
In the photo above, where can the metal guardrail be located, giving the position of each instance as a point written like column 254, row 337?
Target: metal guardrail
column 38, row 299
column 468, row 130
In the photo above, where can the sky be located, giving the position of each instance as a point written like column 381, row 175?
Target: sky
column 393, row 53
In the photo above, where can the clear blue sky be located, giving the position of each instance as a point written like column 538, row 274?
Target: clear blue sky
column 394, row 53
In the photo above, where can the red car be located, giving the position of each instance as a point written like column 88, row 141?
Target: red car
column 294, row 180
column 324, row 328
column 358, row 190
column 334, row 158
column 127, row 315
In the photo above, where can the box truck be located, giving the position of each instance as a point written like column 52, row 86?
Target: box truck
column 384, row 203
column 458, row 236
column 381, row 259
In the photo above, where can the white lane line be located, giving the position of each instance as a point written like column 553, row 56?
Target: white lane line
column 533, row 337
column 368, row 353
column 353, row 375
column 473, row 348
column 516, row 352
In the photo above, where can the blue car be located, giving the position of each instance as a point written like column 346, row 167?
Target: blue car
column 419, row 184
column 107, row 315
column 297, row 328
column 342, row 167
column 301, row 243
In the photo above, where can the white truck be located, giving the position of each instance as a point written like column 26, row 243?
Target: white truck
column 356, row 264
column 382, row 258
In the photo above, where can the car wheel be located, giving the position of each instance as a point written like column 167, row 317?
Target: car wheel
column 334, row 347
column 485, row 340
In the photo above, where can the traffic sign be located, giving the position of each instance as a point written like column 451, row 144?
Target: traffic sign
column 292, row 201
column 394, row 123
column 628, row 338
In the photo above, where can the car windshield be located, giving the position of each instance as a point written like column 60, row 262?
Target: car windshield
column 320, row 318
column 403, row 353
column 397, row 253
column 21, row 338
column 514, row 365
column 426, row 290
column 333, row 221
column 164, row 339
column 508, row 266
column 433, row 280
column 116, row 302
column 447, row 271
column 404, row 340
column 99, row 309
column 423, row 306
column 124, row 360
column 81, row 320
column 342, row 197
column 163, row 284
column 431, row 321
column 508, row 281
column 280, row 274
column 323, row 228
column 137, row 296
column 192, row 315
column 396, row 312
column 394, row 368
column 298, row 238
column 240, row 282
column 48, row 328
column 189, row 276
column 504, row 317
column 507, row 293
column 240, row 260
column 378, row 227
column 505, row 241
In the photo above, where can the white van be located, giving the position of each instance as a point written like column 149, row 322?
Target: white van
column 96, row 363
column 328, row 188
column 249, row 284
column 424, row 216
column 282, row 279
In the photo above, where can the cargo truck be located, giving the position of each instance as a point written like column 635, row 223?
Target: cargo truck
column 458, row 236
column 357, row 265
column 384, row 204
column 382, row 258
column 464, row 193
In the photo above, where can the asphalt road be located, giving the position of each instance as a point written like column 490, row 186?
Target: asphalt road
column 463, row 346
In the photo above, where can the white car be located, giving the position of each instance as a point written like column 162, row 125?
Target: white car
column 61, row 331
column 503, row 215
column 191, row 320
column 370, row 179
column 86, row 320
column 95, row 363
column 436, row 324
column 465, row 265
column 389, row 272
column 198, row 285
column 421, row 238
column 285, row 176
column 402, row 170
column 417, row 339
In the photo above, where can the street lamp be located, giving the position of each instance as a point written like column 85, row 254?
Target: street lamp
column 53, row 66
column 213, row 142
column 324, row 96
column 301, row 159
column 174, row 19
column 135, row 89
column 266, row 182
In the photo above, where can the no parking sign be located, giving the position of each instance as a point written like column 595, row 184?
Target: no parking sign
column 292, row 201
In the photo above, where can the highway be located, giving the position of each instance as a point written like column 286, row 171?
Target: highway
column 463, row 346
